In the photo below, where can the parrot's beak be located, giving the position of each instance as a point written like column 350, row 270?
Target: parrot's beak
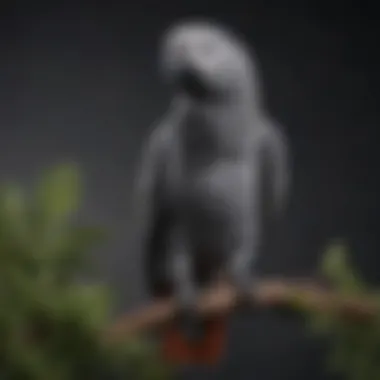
column 190, row 82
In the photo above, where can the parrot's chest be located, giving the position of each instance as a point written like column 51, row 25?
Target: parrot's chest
column 209, row 181
column 211, row 203
column 207, row 173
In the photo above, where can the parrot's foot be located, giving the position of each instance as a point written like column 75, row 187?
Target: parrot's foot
column 243, row 286
column 244, row 298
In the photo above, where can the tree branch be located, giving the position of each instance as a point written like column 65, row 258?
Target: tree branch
column 222, row 299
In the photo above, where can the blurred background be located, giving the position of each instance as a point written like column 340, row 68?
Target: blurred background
column 78, row 82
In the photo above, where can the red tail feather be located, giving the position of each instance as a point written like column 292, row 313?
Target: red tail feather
column 206, row 351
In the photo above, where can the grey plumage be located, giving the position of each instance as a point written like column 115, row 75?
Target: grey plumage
column 201, row 185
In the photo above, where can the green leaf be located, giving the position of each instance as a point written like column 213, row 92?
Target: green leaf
column 336, row 268
column 58, row 193
column 80, row 240
column 94, row 301
column 334, row 261
column 70, row 256
column 13, row 217
column 354, row 344
column 87, row 304
column 51, row 327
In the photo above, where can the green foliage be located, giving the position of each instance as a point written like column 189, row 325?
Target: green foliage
column 51, row 326
column 354, row 345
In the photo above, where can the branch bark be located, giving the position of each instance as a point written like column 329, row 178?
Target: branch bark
column 222, row 299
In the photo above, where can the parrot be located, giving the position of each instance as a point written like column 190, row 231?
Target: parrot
column 211, row 168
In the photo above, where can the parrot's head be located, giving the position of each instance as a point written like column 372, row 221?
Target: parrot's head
column 204, row 60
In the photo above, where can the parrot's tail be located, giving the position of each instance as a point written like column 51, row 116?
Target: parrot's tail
column 204, row 351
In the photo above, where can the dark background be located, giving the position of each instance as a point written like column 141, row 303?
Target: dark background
column 79, row 82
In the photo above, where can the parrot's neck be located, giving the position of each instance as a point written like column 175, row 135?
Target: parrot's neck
column 220, row 129
column 229, row 115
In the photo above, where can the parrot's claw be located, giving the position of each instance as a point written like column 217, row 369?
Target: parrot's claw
column 190, row 323
column 243, row 295
column 243, row 285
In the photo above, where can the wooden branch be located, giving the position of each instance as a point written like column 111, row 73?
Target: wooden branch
column 222, row 298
